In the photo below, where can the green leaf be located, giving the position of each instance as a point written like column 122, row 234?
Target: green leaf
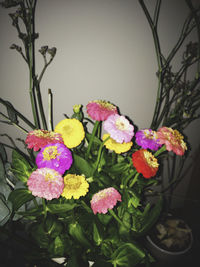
column 96, row 140
column 97, row 235
column 119, row 168
column 100, row 263
column 2, row 170
column 5, row 210
column 134, row 200
column 52, row 226
column 104, row 218
column 151, row 216
column 4, row 189
column 20, row 196
column 3, row 153
column 82, row 166
column 128, row 254
column 60, row 208
column 57, row 247
column 77, row 261
column 32, row 212
column 39, row 234
column 76, row 231
column 21, row 167
column 11, row 112
column 124, row 230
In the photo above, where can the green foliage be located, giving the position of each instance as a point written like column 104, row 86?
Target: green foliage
column 128, row 254
column 2, row 170
column 82, row 166
column 3, row 153
column 5, row 210
column 20, row 166
column 19, row 197
column 77, row 232
column 11, row 113
column 61, row 207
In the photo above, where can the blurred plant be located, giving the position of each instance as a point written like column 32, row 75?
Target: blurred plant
column 178, row 93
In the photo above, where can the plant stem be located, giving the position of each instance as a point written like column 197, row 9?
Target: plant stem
column 161, row 150
column 116, row 218
column 134, row 180
column 50, row 109
column 92, row 138
column 99, row 153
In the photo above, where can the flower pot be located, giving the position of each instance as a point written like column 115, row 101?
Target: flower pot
column 175, row 253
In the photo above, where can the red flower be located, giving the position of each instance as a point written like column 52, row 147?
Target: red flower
column 145, row 163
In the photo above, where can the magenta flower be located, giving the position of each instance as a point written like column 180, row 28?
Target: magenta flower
column 104, row 200
column 119, row 128
column 147, row 138
column 100, row 110
column 46, row 183
column 55, row 156
column 39, row 138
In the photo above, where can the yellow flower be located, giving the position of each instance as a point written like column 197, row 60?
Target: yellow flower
column 72, row 132
column 75, row 186
column 117, row 147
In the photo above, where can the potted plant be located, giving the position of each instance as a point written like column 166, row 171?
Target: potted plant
column 170, row 239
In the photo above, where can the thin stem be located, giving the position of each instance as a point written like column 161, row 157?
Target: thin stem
column 116, row 218
column 13, row 123
column 161, row 150
column 31, row 53
column 50, row 109
column 99, row 153
column 197, row 22
column 40, row 104
column 92, row 138
column 134, row 180
column 44, row 208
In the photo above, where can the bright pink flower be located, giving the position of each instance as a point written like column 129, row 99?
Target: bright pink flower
column 104, row 200
column 119, row 128
column 46, row 183
column 100, row 110
column 55, row 156
column 172, row 139
column 39, row 138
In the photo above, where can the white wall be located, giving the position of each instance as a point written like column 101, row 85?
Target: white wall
column 104, row 51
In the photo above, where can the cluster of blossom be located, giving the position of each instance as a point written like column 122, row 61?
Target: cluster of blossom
column 55, row 157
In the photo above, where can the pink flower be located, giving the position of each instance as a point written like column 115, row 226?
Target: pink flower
column 147, row 138
column 172, row 139
column 46, row 183
column 100, row 110
column 119, row 128
column 55, row 156
column 104, row 200
column 39, row 138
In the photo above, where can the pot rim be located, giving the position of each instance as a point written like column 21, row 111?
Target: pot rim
column 171, row 252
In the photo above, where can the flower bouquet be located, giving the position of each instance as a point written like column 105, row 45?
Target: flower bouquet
column 80, row 190
column 82, row 194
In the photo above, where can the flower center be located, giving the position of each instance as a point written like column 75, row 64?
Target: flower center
column 121, row 125
column 73, row 182
column 67, row 129
column 150, row 134
column 151, row 160
column 105, row 105
column 49, row 177
column 50, row 152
